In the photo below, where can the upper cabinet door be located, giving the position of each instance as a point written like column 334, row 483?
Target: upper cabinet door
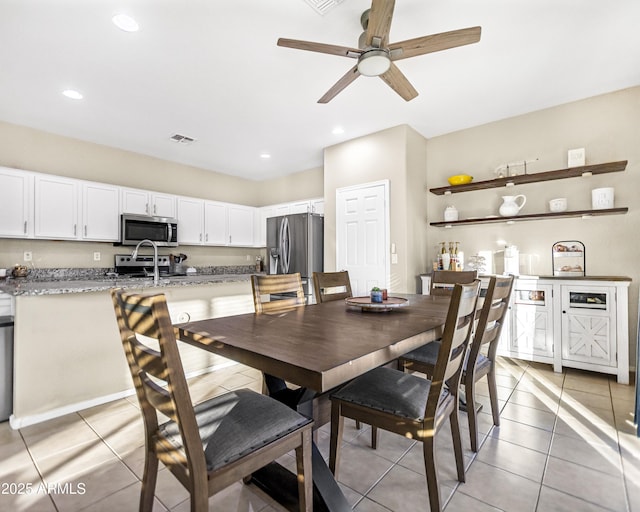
column 163, row 205
column 240, row 225
column 16, row 203
column 134, row 201
column 100, row 212
column 56, row 207
column 215, row 223
column 190, row 221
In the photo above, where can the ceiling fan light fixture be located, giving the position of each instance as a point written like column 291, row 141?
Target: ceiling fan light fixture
column 374, row 62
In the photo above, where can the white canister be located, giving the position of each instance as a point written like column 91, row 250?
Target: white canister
column 602, row 198
column 450, row 214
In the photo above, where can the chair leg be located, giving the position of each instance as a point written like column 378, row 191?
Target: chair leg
column 305, row 477
column 429, row 451
column 472, row 413
column 337, row 427
column 149, row 478
column 374, row 437
column 457, row 442
column 493, row 396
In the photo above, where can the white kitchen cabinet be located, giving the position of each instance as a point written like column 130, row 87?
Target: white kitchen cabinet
column 69, row 209
column 202, row 222
column 529, row 323
column 144, row 202
column 56, row 207
column 588, row 326
column 16, row 203
column 577, row 323
column 190, row 221
column 100, row 212
column 317, row 206
column 215, row 223
column 240, row 222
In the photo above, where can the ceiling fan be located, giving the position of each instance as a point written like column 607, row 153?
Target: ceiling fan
column 376, row 56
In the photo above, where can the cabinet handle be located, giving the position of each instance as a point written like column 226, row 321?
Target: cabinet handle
column 75, row 230
column 146, row 208
column 200, row 237
column 85, row 230
column 25, row 227
column 206, row 237
column 229, row 238
column 155, row 209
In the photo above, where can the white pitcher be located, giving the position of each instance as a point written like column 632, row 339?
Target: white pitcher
column 510, row 206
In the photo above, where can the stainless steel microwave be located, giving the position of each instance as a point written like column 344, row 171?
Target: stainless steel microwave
column 161, row 230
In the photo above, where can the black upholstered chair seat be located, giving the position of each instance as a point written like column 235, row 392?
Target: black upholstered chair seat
column 237, row 423
column 427, row 354
column 390, row 391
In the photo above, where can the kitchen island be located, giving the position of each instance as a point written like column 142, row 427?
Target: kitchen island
column 67, row 350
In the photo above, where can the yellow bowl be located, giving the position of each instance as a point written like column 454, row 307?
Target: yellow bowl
column 460, row 179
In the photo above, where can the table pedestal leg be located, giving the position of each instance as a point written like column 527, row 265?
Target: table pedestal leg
column 282, row 485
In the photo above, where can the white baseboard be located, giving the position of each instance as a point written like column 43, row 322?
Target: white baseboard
column 24, row 421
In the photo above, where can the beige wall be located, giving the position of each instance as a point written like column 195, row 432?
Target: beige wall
column 34, row 150
column 607, row 126
column 399, row 155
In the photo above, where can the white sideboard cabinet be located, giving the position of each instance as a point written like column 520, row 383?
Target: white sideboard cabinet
column 570, row 322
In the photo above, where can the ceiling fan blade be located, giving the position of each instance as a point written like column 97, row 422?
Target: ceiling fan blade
column 379, row 25
column 399, row 83
column 331, row 49
column 434, row 43
column 349, row 77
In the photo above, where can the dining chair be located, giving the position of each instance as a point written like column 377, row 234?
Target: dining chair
column 328, row 286
column 211, row 445
column 481, row 360
column 409, row 405
column 442, row 281
column 273, row 294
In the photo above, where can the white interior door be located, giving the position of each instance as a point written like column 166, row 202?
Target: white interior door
column 362, row 235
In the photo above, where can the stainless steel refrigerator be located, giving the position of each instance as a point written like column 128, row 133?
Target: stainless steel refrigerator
column 295, row 243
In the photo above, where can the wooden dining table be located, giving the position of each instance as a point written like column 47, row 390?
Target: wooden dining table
column 319, row 348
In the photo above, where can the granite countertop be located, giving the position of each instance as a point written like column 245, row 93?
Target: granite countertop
column 53, row 283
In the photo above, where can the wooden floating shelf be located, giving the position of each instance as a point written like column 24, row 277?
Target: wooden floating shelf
column 535, row 216
column 559, row 174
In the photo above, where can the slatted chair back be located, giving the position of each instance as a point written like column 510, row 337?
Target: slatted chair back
column 442, row 281
column 158, row 375
column 328, row 286
column 277, row 284
column 492, row 316
column 455, row 340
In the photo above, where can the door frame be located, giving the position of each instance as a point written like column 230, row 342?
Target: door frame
column 387, row 221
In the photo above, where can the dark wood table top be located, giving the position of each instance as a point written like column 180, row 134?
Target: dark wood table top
column 324, row 345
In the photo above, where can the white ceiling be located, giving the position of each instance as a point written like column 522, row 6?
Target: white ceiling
column 211, row 70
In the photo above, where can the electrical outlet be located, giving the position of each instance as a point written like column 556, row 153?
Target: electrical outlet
column 96, row 256
column 28, row 256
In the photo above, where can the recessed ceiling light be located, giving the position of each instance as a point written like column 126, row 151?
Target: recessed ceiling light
column 266, row 156
column 338, row 130
column 125, row 22
column 74, row 95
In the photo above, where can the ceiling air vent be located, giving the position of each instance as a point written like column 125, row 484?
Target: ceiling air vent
column 323, row 6
column 182, row 139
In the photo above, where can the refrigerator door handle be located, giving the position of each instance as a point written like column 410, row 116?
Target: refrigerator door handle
column 285, row 246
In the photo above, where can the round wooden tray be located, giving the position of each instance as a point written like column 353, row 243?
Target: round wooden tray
column 386, row 305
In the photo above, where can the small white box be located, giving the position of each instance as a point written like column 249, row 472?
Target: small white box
column 576, row 157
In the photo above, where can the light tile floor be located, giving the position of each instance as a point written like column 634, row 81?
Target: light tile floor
column 566, row 443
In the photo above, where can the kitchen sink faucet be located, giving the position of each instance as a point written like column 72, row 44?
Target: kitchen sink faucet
column 156, row 272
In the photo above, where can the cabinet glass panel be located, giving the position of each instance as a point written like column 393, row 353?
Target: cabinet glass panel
column 533, row 297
